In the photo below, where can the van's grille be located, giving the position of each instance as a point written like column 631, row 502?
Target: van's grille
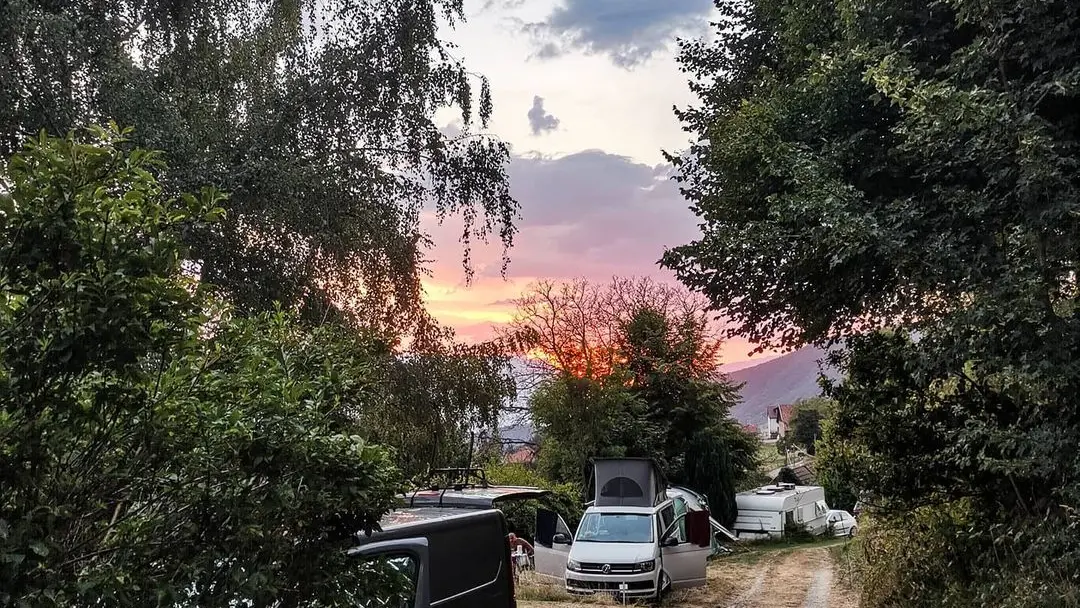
column 574, row 583
column 615, row 568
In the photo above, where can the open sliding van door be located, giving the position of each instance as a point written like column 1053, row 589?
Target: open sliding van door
column 685, row 547
column 552, row 548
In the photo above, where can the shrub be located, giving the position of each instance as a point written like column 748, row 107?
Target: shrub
column 565, row 498
column 155, row 449
column 943, row 556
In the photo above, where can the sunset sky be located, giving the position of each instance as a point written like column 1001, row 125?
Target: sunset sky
column 583, row 93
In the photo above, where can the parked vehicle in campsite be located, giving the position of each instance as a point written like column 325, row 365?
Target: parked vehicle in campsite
column 686, row 500
column 771, row 511
column 842, row 523
column 448, row 545
column 449, row 557
column 630, row 541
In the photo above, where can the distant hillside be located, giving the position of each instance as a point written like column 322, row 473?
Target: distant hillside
column 778, row 380
column 781, row 380
column 516, row 433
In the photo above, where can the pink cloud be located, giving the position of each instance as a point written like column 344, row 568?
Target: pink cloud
column 592, row 215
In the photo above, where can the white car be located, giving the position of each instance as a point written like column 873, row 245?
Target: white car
column 842, row 523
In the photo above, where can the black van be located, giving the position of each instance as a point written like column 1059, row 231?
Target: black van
column 451, row 546
column 450, row 557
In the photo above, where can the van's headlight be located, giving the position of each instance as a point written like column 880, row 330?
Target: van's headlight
column 573, row 566
column 646, row 566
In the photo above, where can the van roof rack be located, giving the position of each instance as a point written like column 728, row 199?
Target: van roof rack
column 456, row 479
column 466, row 488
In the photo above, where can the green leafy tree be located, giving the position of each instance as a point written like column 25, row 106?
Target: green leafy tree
column 910, row 165
column 835, row 465
column 805, row 430
column 437, row 401
column 156, row 449
column 629, row 369
column 317, row 117
column 699, row 445
column 578, row 419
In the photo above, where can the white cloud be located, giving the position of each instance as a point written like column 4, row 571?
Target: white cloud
column 599, row 105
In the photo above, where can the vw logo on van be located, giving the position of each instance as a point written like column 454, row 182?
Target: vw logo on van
column 606, row 569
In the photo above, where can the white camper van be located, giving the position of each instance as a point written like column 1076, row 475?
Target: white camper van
column 630, row 541
column 770, row 510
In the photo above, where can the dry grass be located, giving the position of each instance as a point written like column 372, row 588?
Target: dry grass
column 772, row 578
column 534, row 591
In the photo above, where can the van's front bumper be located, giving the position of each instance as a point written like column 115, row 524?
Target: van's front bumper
column 636, row 585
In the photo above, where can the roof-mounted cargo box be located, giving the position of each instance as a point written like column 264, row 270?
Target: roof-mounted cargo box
column 627, row 482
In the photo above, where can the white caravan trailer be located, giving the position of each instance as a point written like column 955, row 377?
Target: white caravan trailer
column 769, row 510
column 630, row 541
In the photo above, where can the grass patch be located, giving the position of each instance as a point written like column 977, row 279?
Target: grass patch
column 847, row 558
column 770, row 457
column 751, row 552
column 532, row 588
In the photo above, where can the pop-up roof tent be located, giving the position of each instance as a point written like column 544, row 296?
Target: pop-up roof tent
column 627, row 482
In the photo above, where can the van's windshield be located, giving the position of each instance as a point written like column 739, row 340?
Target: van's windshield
column 615, row 528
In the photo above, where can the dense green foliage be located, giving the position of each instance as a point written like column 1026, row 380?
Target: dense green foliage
column 316, row 117
column 979, row 454
column 805, row 428
column 578, row 419
column 155, row 448
column 434, row 402
column 834, row 465
column 911, row 165
column 191, row 384
column 565, row 498
column 631, row 372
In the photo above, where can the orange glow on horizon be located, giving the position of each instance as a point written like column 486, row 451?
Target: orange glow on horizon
column 476, row 312
column 483, row 302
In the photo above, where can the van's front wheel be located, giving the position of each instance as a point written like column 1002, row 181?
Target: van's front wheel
column 662, row 587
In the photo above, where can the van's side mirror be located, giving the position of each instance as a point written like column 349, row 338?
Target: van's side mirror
column 670, row 541
column 561, row 539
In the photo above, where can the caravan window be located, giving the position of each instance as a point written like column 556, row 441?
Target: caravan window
column 615, row 528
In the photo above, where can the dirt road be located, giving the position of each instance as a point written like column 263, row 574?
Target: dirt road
column 802, row 578
column 789, row 578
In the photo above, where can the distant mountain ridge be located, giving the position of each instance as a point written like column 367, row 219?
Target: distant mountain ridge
column 777, row 381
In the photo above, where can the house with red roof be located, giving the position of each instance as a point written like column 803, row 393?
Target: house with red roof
column 779, row 419
column 523, row 455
